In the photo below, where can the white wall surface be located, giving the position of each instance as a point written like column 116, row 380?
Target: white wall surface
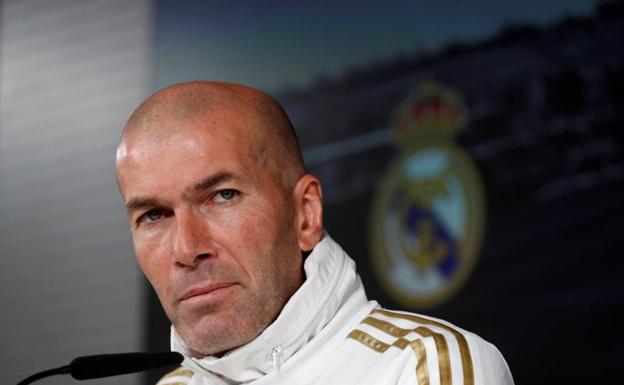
column 71, row 72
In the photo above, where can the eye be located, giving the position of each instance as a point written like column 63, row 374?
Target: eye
column 226, row 195
column 151, row 216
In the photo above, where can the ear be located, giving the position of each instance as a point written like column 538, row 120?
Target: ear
column 309, row 211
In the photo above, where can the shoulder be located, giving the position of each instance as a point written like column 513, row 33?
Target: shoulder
column 439, row 348
column 179, row 376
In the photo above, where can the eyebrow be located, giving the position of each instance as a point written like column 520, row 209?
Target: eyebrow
column 141, row 203
column 208, row 183
column 203, row 185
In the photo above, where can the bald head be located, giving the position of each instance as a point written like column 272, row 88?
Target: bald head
column 207, row 105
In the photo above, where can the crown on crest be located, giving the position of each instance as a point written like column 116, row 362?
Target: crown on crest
column 433, row 110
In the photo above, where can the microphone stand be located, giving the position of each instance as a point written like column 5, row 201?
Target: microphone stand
column 106, row 365
column 46, row 373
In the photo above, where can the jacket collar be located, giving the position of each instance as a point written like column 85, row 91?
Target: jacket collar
column 330, row 279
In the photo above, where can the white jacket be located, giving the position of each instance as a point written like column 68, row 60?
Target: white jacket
column 329, row 333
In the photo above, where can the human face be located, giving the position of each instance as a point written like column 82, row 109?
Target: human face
column 213, row 230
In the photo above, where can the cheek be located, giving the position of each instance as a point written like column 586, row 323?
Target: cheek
column 248, row 235
column 247, row 223
column 150, row 257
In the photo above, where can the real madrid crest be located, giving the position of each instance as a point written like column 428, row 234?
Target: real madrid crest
column 427, row 219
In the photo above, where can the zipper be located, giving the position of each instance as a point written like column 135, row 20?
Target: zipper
column 276, row 355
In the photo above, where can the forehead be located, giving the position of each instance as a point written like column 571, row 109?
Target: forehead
column 234, row 130
column 180, row 150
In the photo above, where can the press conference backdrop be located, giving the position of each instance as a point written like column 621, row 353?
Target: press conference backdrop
column 470, row 154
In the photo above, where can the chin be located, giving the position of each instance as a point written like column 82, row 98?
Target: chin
column 215, row 336
column 217, row 330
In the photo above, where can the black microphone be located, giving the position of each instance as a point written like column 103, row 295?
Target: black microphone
column 105, row 365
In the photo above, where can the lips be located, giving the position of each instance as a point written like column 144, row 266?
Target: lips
column 203, row 290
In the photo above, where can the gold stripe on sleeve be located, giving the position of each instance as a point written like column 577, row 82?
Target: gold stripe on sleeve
column 386, row 327
column 464, row 350
column 421, row 366
column 179, row 372
column 368, row 340
column 401, row 343
column 444, row 360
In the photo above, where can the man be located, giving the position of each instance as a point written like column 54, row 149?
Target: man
column 222, row 213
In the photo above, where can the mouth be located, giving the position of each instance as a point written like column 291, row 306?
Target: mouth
column 205, row 290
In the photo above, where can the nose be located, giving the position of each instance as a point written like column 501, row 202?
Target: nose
column 191, row 239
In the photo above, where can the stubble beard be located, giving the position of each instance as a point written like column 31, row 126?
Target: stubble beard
column 216, row 333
